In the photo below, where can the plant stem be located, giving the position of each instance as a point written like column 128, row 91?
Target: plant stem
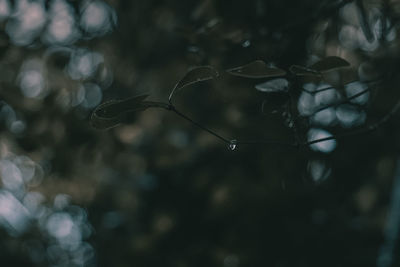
column 364, row 130
column 172, row 108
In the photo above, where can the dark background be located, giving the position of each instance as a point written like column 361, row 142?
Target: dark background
column 160, row 192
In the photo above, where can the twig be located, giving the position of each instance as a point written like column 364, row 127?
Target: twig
column 370, row 128
column 344, row 101
column 172, row 108
column 365, row 130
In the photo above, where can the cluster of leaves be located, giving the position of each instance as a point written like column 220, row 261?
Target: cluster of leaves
column 115, row 112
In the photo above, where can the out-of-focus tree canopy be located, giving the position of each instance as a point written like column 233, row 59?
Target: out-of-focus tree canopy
column 157, row 190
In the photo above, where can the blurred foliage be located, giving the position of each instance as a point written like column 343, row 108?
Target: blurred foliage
column 158, row 191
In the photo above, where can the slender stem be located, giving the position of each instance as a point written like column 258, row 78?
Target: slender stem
column 172, row 108
column 318, row 91
column 334, row 87
column 346, row 100
column 364, row 130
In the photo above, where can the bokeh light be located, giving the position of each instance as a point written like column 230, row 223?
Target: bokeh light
column 26, row 22
column 157, row 191
column 324, row 146
column 57, row 67
column 97, row 18
column 61, row 28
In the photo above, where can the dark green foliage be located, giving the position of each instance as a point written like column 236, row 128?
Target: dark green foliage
column 223, row 175
column 324, row 65
column 114, row 112
column 195, row 75
column 329, row 63
column 256, row 70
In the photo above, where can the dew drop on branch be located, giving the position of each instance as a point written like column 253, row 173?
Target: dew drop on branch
column 232, row 144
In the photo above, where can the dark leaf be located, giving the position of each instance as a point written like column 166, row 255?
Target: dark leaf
column 329, row 63
column 303, row 71
column 114, row 112
column 257, row 69
column 114, row 108
column 326, row 64
column 195, row 75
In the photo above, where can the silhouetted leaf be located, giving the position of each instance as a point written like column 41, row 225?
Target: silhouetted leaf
column 275, row 85
column 112, row 113
column 195, row 75
column 113, row 108
column 257, row 69
column 326, row 64
column 303, row 71
column 329, row 63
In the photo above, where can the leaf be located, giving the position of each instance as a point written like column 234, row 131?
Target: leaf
column 114, row 112
column 113, row 108
column 329, row 63
column 195, row 75
column 275, row 85
column 326, row 64
column 257, row 69
column 303, row 71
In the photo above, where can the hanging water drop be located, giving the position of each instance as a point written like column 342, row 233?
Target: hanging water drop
column 232, row 144
column 246, row 43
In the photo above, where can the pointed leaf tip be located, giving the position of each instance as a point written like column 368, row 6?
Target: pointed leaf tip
column 257, row 69
column 113, row 108
column 316, row 69
column 112, row 113
column 303, row 71
column 195, row 75
column 329, row 63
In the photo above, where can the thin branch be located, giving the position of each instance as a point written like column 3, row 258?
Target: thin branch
column 172, row 108
column 344, row 101
column 364, row 130
column 318, row 91
column 370, row 128
column 334, row 87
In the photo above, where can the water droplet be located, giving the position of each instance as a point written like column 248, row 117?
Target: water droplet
column 232, row 144
column 246, row 43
